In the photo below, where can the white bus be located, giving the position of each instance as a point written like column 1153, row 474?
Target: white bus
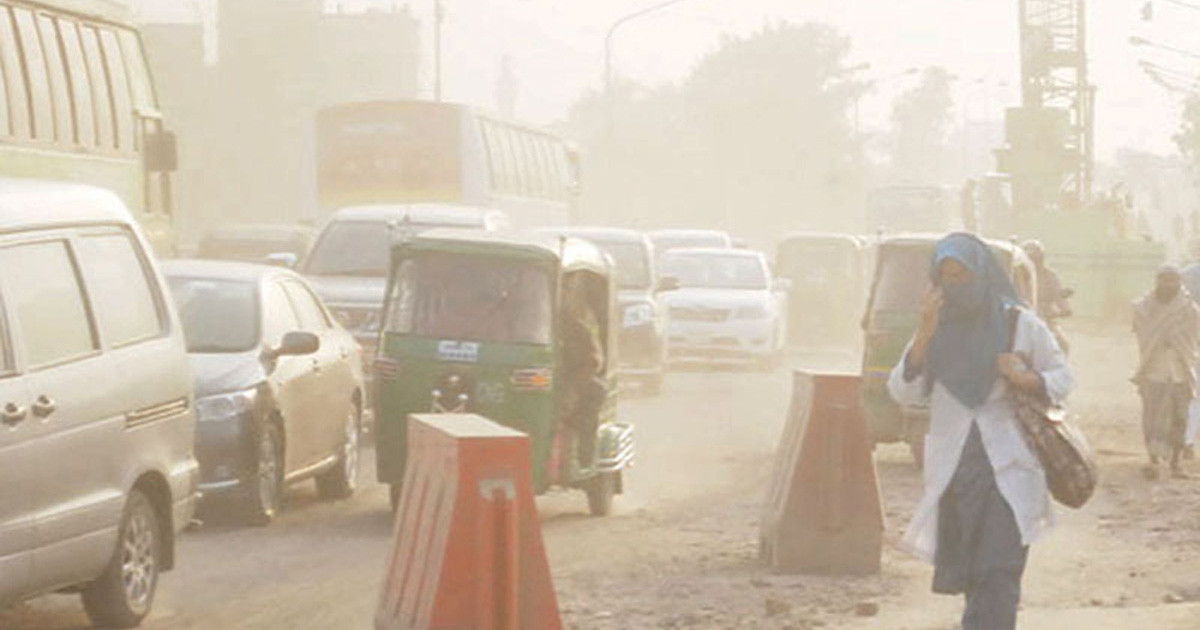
column 77, row 104
column 399, row 152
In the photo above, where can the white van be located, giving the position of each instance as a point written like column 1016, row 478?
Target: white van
column 96, row 420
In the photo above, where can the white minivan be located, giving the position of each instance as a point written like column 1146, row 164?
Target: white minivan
column 96, row 420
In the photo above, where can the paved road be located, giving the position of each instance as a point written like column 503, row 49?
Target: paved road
column 320, row 564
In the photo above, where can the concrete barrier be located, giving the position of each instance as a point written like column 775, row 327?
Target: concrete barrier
column 467, row 550
column 823, row 512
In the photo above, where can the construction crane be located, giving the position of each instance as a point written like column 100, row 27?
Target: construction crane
column 1050, row 137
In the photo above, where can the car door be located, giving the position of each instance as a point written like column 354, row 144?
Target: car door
column 76, row 416
column 293, row 381
column 334, row 379
column 16, row 476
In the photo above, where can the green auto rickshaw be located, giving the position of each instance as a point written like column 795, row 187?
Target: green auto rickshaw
column 893, row 309
column 830, row 276
column 476, row 322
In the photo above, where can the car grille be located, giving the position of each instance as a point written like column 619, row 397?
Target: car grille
column 699, row 314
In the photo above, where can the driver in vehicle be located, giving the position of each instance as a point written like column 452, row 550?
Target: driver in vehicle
column 583, row 367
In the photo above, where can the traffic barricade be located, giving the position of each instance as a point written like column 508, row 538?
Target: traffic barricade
column 823, row 512
column 467, row 550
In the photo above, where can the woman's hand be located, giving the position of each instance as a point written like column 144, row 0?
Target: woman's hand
column 930, row 309
column 1016, row 371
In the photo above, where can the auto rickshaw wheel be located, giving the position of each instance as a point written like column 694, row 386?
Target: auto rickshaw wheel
column 600, row 490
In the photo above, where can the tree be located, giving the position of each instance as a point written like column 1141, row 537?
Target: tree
column 921, row 122
column 756, row 139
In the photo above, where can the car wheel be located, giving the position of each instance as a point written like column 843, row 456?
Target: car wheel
column 600, row 490
column 341, row 481
column 123, row 594
column 265, row 490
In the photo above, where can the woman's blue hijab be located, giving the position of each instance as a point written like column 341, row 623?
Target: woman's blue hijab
column 973, row 324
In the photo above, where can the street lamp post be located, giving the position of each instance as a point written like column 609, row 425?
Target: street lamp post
column 608, row 40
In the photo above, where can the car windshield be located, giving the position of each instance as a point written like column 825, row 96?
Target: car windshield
column 715, row 271
column 219, row 316
column 472, row 298
column 633, row 263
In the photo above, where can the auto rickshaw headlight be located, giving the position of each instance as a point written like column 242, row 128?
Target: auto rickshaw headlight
column 638, row 314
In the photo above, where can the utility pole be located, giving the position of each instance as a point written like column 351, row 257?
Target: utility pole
column 438, row 15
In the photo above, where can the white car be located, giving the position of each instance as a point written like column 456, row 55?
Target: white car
column 727, row 305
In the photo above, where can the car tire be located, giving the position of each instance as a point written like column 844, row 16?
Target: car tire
column 264, row 492
column 600, row 490
column 341, row 481
column 122, row 596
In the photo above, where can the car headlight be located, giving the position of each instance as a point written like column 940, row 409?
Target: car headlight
column 225, row 407
column 758, row 311
column 638, row 314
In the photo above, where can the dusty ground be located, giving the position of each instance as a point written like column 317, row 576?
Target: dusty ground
column 680, row 552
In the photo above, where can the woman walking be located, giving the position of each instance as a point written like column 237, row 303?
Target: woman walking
column 985, row 497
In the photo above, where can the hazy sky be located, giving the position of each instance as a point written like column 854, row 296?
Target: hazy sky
column 556, row 47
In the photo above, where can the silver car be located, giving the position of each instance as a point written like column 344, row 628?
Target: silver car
column 279, row 384
column 95, row 403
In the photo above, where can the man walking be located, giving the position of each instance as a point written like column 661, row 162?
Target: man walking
column 1167, row 325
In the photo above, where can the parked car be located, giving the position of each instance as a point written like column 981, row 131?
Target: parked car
column 727, row 306
column 667, row 240
column 349, row 262
column 279, row 384
column 95, row 402
column 642, row 342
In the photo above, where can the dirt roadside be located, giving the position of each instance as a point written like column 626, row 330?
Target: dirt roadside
column 1130, row 559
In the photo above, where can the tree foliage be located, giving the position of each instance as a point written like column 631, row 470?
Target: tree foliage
column 756, row 139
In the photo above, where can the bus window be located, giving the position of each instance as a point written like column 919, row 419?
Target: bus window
column 58, row 80
column 119, row 81
column 139, row 74
column 35, row 72
column 14, row 77
column 81, row 86
column 487, row 131
column 512, row 155
column 101, row 97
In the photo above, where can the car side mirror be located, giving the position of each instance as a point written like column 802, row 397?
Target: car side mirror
column 296, row 344
column 161, row 152
column 666, row 284
column 283, row 259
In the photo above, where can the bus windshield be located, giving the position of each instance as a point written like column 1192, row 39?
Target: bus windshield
column 396, row 151
column 472, row 298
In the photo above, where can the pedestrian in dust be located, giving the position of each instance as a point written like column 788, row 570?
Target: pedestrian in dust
column 986, row 498
column 1167, row 325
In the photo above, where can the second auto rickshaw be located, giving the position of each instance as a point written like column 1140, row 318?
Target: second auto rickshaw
column 518, row 328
